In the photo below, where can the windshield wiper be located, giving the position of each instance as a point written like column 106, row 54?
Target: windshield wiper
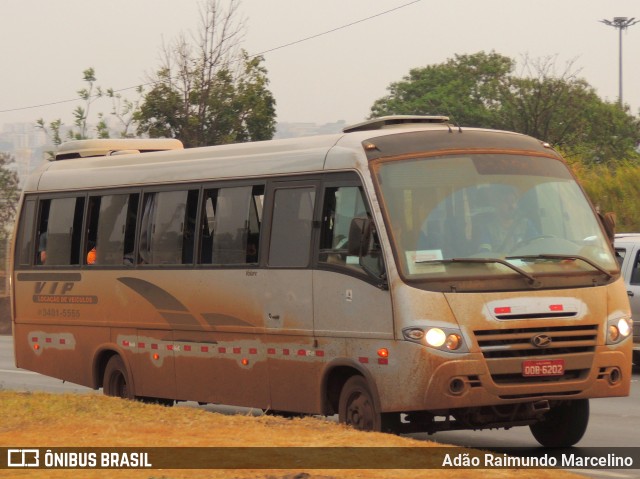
column 533, row 282
column 571, row 257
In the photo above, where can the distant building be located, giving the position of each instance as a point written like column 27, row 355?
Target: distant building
column 26, row 143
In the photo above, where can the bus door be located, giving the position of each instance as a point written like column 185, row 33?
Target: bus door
column 350, row 296
column 293, row 358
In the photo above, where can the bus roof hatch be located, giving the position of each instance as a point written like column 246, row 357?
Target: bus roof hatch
column 108, row 147
column 394, row 121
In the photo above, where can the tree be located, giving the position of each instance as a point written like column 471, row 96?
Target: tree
column 9, row 194
column 121, row 108
column 566, row 111
column 482, row 90
column 465, row 88
column 210, row 92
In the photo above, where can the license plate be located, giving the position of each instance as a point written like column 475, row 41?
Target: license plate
column 543, row 367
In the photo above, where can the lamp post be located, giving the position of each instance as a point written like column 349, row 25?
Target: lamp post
column 621, row 23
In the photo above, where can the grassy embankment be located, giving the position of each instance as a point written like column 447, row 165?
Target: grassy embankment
column 49, row 420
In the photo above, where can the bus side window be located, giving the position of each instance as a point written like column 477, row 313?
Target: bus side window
column 60, row 231
column 230, row 225
column 168, row 227
column 291, row 227
column 207, row 226
column 341, row 205
column 111, row 229
column 24, row 244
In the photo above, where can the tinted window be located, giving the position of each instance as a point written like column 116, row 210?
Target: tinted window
column 635, row 272
column 167, row 227
column 111, row 229
column 60, row 231
column 291, row 227
column 230, row 230
column 341, row 206
column 24, row 244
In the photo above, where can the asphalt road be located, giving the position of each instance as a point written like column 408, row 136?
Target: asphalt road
column 614, row 422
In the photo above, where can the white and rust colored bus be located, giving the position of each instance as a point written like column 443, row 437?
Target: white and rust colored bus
column 406, row 274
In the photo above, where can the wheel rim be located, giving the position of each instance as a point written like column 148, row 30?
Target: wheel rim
column 360, row 412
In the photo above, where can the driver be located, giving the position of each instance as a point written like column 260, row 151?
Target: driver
column 504, row 229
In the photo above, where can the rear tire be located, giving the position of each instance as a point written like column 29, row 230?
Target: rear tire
column 357, row 407
column 564, row 425
column 116, row 381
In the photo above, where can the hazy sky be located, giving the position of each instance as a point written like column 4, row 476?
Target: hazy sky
column 46, row 44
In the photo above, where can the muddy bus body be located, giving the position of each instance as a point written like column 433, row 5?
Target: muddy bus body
column 406, row 274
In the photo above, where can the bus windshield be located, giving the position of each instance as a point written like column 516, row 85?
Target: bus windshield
column 490, row 215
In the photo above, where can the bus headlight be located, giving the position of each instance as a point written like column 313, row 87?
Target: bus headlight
column 444, row 339
column 435, row 337
column 618, row 330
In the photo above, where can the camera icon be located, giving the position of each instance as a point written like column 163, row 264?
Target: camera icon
column 23, row 458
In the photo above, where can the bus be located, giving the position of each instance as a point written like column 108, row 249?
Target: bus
column 405, row 275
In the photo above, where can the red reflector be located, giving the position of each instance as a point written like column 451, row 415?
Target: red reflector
column 502, row 310
column 220, row 350
column 253, row 351
column 320, row 354
column 204, row 349
column 302, row 352
column 237, row 350
column 285, row 352
column 63, row 341
column 383, row 361
column 141, row 345
column 169, row 347
column 125, row 343
column 556, row 307
column 154, row 346
column 271, row 351
column 187, row 348
column 35, row 340
column 363, row 360
column 48, row 340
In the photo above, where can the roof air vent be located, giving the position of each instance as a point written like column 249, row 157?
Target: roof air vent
column 394, row 121
column 109, row 147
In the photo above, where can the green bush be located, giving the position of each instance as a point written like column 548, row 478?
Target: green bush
column 613, row 187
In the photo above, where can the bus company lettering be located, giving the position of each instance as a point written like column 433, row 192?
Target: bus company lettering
column 57, row 293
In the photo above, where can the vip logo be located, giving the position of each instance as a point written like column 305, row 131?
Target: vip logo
column 53, row 287
column 23, row 458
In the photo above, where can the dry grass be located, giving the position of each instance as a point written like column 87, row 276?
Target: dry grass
column 45, row 420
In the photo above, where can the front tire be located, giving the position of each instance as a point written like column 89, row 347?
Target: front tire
column 357, row 407
column 116, row 381
column 564, row 425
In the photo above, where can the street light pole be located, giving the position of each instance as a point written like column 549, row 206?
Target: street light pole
column 621, row 23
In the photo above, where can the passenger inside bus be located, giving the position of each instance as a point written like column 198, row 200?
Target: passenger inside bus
column 42, row 248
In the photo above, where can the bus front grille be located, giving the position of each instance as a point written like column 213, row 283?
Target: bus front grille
column 537, row 341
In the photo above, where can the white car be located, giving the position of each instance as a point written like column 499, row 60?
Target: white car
column 628, row 251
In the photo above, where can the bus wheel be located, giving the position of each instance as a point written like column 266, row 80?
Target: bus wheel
column 563, row 425
column 116, row 379
column 356, row 407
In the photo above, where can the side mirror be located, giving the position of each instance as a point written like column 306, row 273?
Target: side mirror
column 609, row 222
column 359, row 236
